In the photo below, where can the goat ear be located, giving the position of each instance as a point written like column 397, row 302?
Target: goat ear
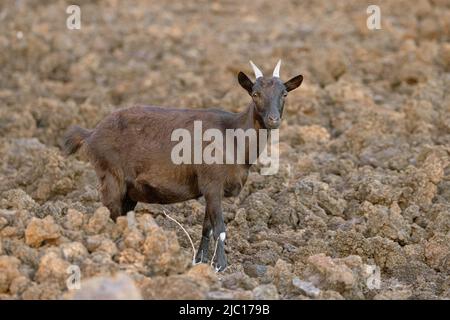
column 245, row 82
column 294, row 83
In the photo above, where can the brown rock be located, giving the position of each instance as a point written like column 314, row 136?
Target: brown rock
column 73, row 219
column 396, row 294
column 42, row 291
column 437, row 252
column 265, row 292
column 98, row 221
column 134, row 239
column 203, row 272
column 19, row 285
column 17, row 199
column 73, row 251
column 52, row 269
column 313, row 134
column 108, row 246
column 282, row 276
column 175, row 287
column 3, row 222
column 40, row 230
column 337, row 275
column 118, row 287
column 9, row 270
column 238, row 280
column 387, row 222
column 163, row 253
column 348, row 276
column 130, row 256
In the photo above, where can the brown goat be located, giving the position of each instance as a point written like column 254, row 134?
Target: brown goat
column 131, row 153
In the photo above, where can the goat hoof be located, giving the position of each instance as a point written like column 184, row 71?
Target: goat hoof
column 220, row 268
column 221, row 265
column 201, row 257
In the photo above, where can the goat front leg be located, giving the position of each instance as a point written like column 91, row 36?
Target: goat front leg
column 214, row 211
column 202, row 252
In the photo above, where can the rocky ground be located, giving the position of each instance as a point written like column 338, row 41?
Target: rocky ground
column 364, row 184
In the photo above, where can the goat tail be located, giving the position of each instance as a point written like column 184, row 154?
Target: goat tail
column 74, row 139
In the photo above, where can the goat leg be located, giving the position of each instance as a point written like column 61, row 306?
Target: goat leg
column 214, row 210
column 202, row 252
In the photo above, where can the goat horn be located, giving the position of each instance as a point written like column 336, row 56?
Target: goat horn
column 276, row 71
column 257, row 72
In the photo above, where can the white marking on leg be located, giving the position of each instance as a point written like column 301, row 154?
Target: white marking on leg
column 222, row 236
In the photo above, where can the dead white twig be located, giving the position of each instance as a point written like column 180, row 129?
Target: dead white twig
column 215, row 250
column 189, row 237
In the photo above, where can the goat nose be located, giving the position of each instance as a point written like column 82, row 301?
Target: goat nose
column 273, row 118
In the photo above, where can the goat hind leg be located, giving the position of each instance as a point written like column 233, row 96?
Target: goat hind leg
column 127, row 204
column 111, row 194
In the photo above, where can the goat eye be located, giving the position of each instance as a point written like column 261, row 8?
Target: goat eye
column 255, row 94
column 285, row 94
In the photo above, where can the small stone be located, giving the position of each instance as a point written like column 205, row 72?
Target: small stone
column 108, row 246
column 229, row 295
column 130, row 256
column 9, row 270
column 331, row 295
column 396, row 294
column 313, row 134
column 122, row 223
column 335, row 274
column 43, row 291
column 282, row 276
column 239, row 280
column 255, row 270
column 98, row 221
column 73, row 219
column 9, row 232
column 3, row 222
column 19, row 285
column 134, row 239
column 118, row 287
column 74, row 251
column 40, row 230
column 174, row 287
column 52, row 269
column 17, row 199
column 265, row 292
column 146, row 223
column 93, row 242
column 306, row 288
column 220, row 295
column 437, row 252
column 163, row 253
column 203, row 272
column 9, row 215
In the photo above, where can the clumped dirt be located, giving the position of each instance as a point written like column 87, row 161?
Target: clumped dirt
column 364, row 182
